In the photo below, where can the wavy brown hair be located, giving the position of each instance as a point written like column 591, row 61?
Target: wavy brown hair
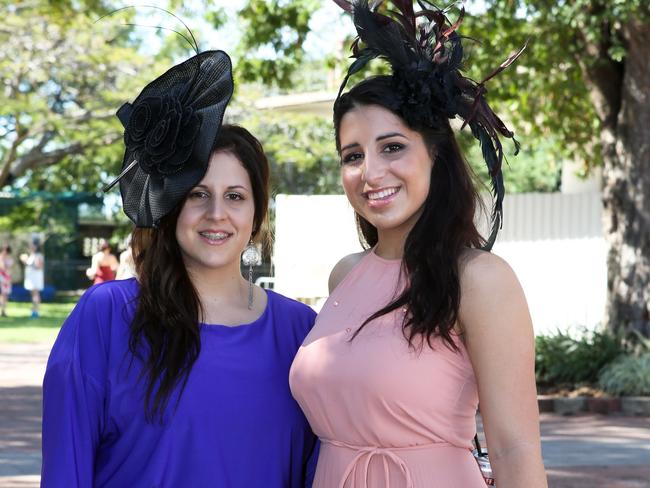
column 165, row 331
column 446, row 227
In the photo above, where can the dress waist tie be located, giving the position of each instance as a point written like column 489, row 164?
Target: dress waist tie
column 366, row 453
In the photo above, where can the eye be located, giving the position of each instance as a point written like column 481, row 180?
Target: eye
column 393, row 147
column 234, row 196
column 198, row 194
column 352, row 157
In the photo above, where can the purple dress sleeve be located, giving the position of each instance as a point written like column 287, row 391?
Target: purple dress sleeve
column 73, row 396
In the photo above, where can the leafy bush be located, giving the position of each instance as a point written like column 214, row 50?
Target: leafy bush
column 638, row 343
column 628, row 375
column 564, row 360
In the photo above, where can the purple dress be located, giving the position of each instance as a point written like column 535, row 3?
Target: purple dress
column 235, row 425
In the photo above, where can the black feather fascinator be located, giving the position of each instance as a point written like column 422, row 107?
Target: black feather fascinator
column 425, row 53
column 169, row 132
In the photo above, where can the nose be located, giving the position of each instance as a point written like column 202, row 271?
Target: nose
column 216, row 209
column 374, row 169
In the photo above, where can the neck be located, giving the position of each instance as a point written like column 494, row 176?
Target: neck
column 220, row 286
column 390, row 243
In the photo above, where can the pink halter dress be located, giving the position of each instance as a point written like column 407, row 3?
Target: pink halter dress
column 387, row 415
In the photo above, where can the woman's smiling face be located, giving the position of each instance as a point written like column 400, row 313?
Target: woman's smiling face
column 216, row 221
column 385, row 168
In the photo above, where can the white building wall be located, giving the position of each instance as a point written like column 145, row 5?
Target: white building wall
column 311, row 234
column 553, row 242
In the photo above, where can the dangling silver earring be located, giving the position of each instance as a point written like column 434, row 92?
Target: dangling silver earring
column 251, row 257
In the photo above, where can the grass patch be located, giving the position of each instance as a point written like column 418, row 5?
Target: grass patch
column 19, row 327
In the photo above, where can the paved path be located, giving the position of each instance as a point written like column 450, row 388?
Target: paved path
column 596, row 451
column 21, row 374
column 588, row 451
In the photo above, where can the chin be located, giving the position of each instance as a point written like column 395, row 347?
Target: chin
column 199, row 263
column 386, row 222
column 402, row 225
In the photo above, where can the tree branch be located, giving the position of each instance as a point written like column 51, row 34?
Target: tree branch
column 10, row 155
column 602, row 75
column 36, row 158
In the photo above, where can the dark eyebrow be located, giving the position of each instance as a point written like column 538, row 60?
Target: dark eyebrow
column 231, row 187
column 389, row 135
column 350, row 146
column 379, row 138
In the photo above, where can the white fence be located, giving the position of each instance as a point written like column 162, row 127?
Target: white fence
column 553, row 242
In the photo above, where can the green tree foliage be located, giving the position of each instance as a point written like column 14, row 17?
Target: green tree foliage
column 301, row 151
column 549, row 93
column 63, row 78
column 535, row 169
column 39, row 215
column 271, row 48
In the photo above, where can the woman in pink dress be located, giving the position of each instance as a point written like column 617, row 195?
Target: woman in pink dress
column 426, row 323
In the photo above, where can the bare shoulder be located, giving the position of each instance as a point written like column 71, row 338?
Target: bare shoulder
column 489, row 286
column 343, row 267
column 479, row 269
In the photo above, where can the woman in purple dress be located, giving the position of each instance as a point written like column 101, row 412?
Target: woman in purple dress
column 179, row 377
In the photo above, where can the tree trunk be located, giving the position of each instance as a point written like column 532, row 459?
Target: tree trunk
column 626, row 189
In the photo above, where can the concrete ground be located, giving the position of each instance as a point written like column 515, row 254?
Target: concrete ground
column 586, row 451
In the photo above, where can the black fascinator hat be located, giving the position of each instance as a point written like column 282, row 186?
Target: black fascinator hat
column 169, row 132
column 425, row 54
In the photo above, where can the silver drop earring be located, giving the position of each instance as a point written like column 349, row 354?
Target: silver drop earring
column 251, row 257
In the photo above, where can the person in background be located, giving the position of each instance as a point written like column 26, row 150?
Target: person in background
column 104, row 264
column 34, row 274
column 6, row 262
column 126, row 269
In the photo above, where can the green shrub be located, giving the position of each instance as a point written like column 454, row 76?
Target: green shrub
column 564, row 360
column 628, row 375
column 638, row 343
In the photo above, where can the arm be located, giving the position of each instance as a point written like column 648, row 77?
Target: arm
column 500, row 341
column 115, row 264
column 94, row 264
column 126, row 268
column 73, row 399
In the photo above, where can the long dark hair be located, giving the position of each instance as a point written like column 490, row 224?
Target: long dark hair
column 445, row 228
column 164, row 332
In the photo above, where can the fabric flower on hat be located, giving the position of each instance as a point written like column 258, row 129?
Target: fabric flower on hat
column 162, row 131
